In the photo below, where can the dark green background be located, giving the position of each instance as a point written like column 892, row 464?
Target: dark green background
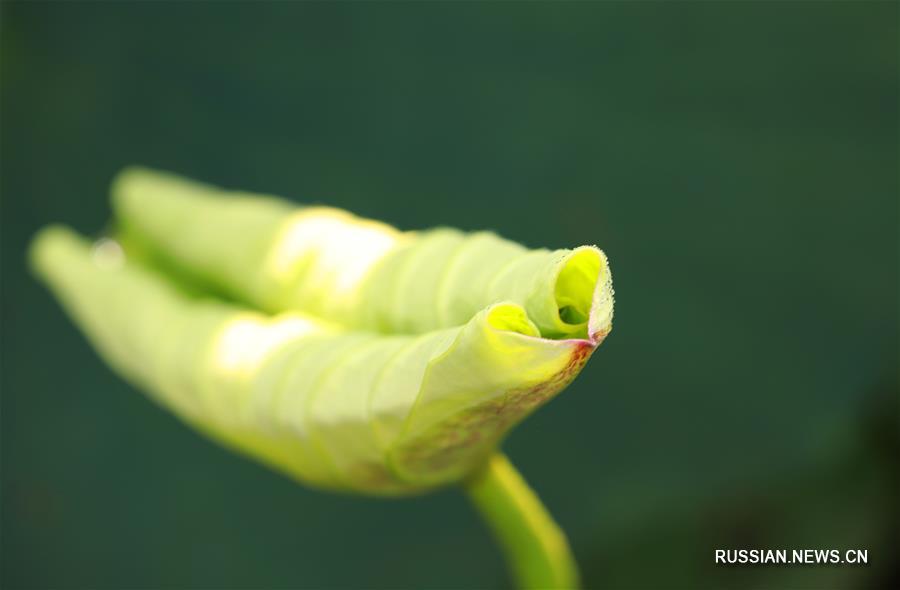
column 737, row 162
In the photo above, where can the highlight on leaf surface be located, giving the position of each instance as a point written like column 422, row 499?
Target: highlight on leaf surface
column 349, row 355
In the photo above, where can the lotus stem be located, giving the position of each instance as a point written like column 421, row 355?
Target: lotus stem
column 535, row 547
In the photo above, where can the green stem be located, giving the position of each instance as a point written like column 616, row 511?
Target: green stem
column 535, row 547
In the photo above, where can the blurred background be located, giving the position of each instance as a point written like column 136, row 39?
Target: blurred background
column 737, row 161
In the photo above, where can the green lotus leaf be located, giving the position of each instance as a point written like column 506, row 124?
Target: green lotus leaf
column 331, row 404
column 345, row 353
column 362, row 274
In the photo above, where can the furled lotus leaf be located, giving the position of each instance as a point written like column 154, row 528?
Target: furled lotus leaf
column 382, row 362
column 355, row 272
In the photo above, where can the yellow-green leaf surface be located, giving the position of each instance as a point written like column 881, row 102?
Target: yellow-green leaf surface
column 356, row 272
column 358, row 357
